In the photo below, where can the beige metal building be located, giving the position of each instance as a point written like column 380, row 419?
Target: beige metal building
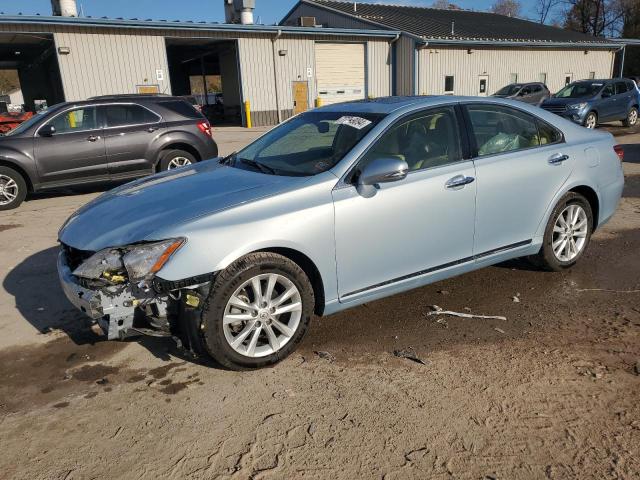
column 280, row 70
column 466, row 53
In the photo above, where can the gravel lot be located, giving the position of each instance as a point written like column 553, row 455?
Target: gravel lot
column 551, row 393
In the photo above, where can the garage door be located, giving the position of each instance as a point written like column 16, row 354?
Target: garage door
column 340, row 72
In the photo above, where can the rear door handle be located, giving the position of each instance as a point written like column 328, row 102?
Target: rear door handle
column 558, row 158
column 458, row 181
column 152, row 129
column 93, row 138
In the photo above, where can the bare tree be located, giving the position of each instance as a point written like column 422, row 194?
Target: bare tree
column 510, row 8
column 595, row 17
column 545, row 7
column 444, row 5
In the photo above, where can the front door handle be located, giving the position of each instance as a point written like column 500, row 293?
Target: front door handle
column 458, row 181
column 558, row 158
column 93, row 138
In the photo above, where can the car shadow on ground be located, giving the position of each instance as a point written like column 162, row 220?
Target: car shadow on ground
column 73, row 191
column 40, row 300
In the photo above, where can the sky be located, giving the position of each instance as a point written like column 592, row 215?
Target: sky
column 267, row 11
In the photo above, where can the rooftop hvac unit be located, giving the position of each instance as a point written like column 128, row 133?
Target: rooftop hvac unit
column 239, row 11
column 307, row 21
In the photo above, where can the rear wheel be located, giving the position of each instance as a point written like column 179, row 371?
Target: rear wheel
column 172, row 159
column 567, row 234
column 591, row 120
column 258, row 311
column 632, row 118
column 13, row 188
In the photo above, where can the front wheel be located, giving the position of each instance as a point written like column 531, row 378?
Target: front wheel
column 632, row 118
column 13, row 188
column 567, row 233
column 257, row 312
column 591, row 120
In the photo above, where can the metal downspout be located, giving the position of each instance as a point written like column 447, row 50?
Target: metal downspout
column 275, row 72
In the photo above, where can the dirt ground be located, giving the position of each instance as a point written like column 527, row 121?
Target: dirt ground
column 551, row 393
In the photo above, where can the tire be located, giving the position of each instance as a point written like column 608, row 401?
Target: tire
column 174, row 158
column 547, row 258
column 591, row 120
column 13, row 188
column 632, row 118
column 218, row 337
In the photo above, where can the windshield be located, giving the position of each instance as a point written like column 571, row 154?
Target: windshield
column 27, row 124
column 509, row 89
column 308, row 144
column 580, row 90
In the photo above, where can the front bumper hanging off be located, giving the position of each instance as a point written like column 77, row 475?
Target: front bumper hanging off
column 112, row 307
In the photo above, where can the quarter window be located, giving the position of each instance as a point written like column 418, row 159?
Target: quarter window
column 426, row 141
column 498, row 129
column 121, row 115
column 621, row 87
column 77, row 120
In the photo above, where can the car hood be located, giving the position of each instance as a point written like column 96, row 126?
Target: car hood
column 134, row 211
column 566, row 101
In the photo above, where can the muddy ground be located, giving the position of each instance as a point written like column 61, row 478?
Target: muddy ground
column 551, row 393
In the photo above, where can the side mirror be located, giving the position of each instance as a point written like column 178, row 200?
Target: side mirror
column 383, row 170
column 47, row 131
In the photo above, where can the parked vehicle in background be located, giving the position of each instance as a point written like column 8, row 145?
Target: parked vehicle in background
column 336, row 207
column 102, row 139
column 590, row 102
column 533, row 93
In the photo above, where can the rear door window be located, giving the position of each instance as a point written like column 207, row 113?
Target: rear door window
column 124, row 114
column 500, row 129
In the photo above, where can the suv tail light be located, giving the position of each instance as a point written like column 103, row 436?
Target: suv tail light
column 619, row 149
column 205, row 128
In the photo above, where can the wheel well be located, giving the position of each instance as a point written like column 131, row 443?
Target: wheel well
column 180, row 146
column 21, row 171
column 592, row 198
column 310, row 269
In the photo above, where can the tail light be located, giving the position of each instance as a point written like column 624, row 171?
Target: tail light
column 619, row 149
column 205, row 128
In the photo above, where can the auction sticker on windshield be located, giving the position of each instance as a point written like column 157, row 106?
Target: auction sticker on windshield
column 355, row 122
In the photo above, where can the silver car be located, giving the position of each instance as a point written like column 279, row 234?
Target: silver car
column 336, row 207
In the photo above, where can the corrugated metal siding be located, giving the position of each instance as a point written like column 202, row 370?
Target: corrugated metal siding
column 378, row 69
column 499, row 64
column 405, row 48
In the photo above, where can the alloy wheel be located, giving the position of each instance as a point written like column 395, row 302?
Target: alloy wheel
column 632, row 119
column 177, row 162
column 8, row 190
column 591, row 121
column 570, row 233
column 262, row 315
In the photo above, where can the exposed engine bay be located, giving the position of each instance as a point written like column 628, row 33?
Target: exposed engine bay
column 118, row 288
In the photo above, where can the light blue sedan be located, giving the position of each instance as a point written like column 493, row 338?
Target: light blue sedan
column 336, row 207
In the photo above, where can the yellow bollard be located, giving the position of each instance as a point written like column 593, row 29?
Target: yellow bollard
column 247, row 112
column 318, row 102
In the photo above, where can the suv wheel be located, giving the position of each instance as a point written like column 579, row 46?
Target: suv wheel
column 172, row 159
column 567, row 234
column 632, row 118
column 591, row 120
column 13, row 188
column 257, row 312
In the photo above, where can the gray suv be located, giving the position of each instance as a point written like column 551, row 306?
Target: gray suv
column 102, row 139
column 533, row 93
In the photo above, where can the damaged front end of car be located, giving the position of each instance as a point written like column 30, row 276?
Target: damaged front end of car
column 118, row 288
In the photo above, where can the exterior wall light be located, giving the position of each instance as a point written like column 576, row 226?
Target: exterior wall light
column 64, row 50
column 282, row 53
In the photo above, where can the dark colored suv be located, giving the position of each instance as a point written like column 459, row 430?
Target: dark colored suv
column 101, row 139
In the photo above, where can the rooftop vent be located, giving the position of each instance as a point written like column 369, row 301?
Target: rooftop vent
column 64, row 8
column 239, row 11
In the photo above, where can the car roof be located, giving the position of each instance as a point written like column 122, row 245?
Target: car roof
column 387, row 105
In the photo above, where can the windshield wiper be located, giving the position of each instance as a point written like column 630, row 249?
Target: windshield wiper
column 260, row 166
column 227, row 160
